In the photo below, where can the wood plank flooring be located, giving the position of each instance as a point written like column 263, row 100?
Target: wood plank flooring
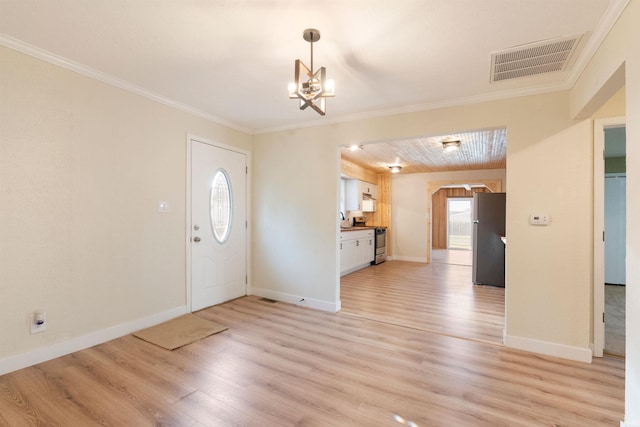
column 285, row 365
column 432, row 297
column 451, row 256
column 614, row 326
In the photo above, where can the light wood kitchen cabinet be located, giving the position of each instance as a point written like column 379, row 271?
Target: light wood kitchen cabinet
column 357, row 250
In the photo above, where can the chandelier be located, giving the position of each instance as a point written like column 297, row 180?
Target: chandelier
column 309, row 87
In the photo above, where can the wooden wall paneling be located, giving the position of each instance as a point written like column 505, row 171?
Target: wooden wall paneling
column 383, row 211
column 355, row 171
column 439, row 213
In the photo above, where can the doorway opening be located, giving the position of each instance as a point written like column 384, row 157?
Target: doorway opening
column 609, row 276
column 615, row 240
column 459, row 230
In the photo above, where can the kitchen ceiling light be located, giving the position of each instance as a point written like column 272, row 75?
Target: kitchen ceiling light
column 309, row 87
column 395, row 169
column 451, row 145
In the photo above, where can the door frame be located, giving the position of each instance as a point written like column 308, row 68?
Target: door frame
column 190, row 139
column 599, row 125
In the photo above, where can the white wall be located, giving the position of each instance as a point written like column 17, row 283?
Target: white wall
column 83, row 166
column 409, row 199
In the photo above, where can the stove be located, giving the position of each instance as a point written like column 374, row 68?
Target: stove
column 381, row 245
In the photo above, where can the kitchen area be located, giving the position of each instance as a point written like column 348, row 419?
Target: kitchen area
column 363, row 217
column 366, row 193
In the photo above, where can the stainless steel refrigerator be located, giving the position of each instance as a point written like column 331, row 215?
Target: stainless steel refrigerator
column 488, row 247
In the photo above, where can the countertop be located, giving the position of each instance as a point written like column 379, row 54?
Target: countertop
column 356, row 228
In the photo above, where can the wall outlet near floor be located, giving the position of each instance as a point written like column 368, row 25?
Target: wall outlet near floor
column 38, row 322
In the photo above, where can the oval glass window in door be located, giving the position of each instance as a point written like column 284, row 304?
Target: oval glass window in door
column 221, row 206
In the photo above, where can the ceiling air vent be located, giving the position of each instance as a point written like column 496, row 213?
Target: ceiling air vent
column 532, row 59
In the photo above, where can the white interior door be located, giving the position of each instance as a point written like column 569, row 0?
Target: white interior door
column 218, row 225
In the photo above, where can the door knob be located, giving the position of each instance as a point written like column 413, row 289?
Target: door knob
column 196, row 239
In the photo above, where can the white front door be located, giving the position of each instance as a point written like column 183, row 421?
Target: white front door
column 218, row 225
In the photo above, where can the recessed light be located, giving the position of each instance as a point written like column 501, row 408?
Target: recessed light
column 395, row 169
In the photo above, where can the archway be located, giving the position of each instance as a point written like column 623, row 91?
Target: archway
column 495, row 185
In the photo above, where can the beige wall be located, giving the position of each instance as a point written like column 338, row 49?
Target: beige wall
column 296, row 187
column 83, row 166
column 601, row 79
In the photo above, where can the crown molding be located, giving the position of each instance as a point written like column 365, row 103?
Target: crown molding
column 27, row 49
column 455, row 102
column 608, row 20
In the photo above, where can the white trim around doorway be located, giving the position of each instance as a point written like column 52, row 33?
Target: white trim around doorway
column 599, row 126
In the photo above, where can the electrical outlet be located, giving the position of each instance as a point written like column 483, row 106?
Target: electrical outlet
column 38, row 322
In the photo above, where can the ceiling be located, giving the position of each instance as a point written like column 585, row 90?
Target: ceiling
column 230, row 60
column 484, row 149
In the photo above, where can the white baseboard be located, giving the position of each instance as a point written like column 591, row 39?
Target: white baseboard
column 407, row 258
column 297, row 300
column 549, row 348
column 39, row 355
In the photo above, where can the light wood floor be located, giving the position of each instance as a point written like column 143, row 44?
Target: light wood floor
column 614, row 326
column 284, row 365
column 434, row 297
column 451, row 256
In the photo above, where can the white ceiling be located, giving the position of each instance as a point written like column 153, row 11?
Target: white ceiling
column 231, row 60
column 482, row 149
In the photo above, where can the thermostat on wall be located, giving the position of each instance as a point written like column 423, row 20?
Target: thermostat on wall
column 539, row 219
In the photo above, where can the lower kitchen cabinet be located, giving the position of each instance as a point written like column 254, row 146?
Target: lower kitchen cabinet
column 357, row 250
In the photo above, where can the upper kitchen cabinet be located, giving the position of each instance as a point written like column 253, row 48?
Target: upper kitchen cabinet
column 360, row 196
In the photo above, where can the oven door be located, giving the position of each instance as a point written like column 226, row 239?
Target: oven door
column 381, row 245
